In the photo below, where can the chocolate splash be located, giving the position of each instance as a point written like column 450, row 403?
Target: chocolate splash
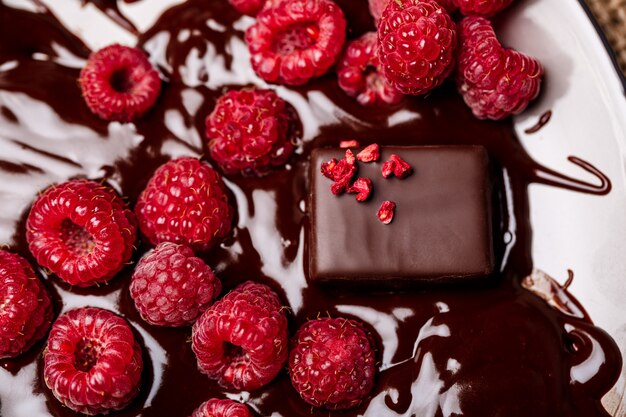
column 493, row 348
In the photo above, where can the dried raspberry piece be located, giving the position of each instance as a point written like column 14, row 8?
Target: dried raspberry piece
column 92, row 362
column 485, row 8
column 247, row 7
column 494, row 82
column 388, row 168
column 241, row 340
column 342, row 175
column 386, row 211
column 362, row 187
column 401, row 168
column 185, row 202
column 417, row 44
column 348, row 144
column 370, row 153
column 119, row 83
column 332, row 363
column 350, row 157
column 221, row 408
column 25, row 306
column 328, row 168
column 250, row 131
column 296, row 40
column 82, row 231
column 359, row 76
column 171, row 287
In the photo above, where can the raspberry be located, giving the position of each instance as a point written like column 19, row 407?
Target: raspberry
column 248, row 7
column 25, row 306
column 184, row 202
column 359, row 76
column 495, row 82
column 370, row 153
column 328, row 168
column 82, row 231
column 378, row 6
column 171, row 287
column 396, row 166
column 221, row 408
column 250, row 131
column 342, row 176
column 386, row 211
column 350, row 158
column 348, row 144
column 362, row 187
column 417, row 45
column 332, row 363
column 241, row 340
column 296, row 40
column 92, row 362
column 486, row 8
column 119, row 83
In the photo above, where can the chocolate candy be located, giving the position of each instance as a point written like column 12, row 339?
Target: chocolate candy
column 442, row 227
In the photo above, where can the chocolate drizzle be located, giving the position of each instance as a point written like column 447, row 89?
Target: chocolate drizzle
column 543, row 120
column 493, row 348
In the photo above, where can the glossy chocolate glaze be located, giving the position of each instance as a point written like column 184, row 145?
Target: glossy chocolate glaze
column 482, row 350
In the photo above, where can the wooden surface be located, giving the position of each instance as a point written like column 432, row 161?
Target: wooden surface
column 611, row 15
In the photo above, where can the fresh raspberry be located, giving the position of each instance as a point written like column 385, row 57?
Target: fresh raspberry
column 82, row 231
column 495, row 82
column 184, row 202
column 348, row 144
column 378, row 6
column 486, row 8
column 332, row 363
column 171, row 287
column 25, row 306
column 362, row 187
column 296, row 40
column 359, row 76
column 92, row 362
column 370, row 153
column 247, row 7
column 250, row 131
column 417, row 45
column 119, row 83
column 241, row 340
column 386, row 211
column 221, row 408
column 396, row 166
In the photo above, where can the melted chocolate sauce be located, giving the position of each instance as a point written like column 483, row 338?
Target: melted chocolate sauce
column 543, row 120
column 487, row 349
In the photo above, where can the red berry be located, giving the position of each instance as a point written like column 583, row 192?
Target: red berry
column 296, row 40
column 417, row 45
column 386, row 211
column 119, row 83
column 248, row 7
column 348, row 144
column 82, row 231
column 332, row 363
column 241, row 340
column 92, row 362
column 370, row 153
column 328, row 168
column 350, row 158
column 378, row 6
column 401, row 168
column 388, row 168
column 486, row 8
column 359, row 76
column 171, row 287
column 362, row 187
column 184, row 202
column 250, row 131
column 221, row 408
column 25, row 306
column 342, row 176
column 495, row 82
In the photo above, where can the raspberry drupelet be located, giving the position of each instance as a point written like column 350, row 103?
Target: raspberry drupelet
column 221, row 408
column 495, row 82
column 358, row 73
column 82, row 231
column 248, row 7
column 332, row 363
column 378, row 6
column 241, row 340
column 251, row 131
column 296, row 40
column 92, row 362
column 171, row 287
column 185, row 202
column 25, row 306
column 485, row 8
column 119, row 83
column 417, row 45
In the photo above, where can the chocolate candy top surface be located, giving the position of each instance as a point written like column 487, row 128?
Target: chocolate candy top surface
column 441, row 229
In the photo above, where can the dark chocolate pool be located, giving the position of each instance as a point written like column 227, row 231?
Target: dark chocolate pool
column 488, row 349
